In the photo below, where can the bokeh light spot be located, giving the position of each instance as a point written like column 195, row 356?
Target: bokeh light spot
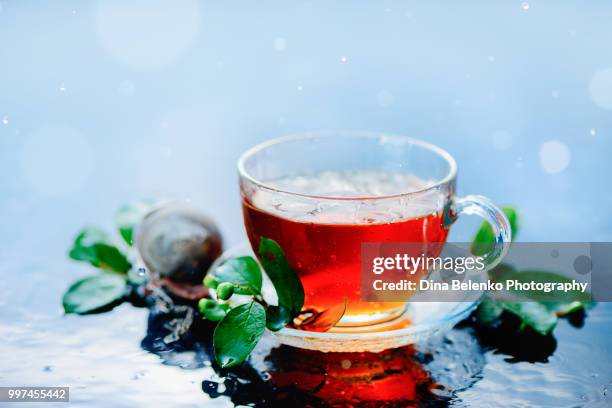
column 601, row 88
column 280, row 44
column 555, row 156
column 147, row 33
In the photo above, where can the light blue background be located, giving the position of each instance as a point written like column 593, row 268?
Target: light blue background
column 102, row 103
column 221, row 77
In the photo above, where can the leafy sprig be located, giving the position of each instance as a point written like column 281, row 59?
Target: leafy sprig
column 93, row 245
column 240, row 328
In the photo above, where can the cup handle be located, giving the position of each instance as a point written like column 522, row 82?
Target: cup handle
column 484, row 208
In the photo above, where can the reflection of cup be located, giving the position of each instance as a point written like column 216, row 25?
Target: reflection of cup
column 392, row 378
column 320, row 195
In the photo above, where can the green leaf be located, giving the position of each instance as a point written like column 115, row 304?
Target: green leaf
column 93, row 245
column 94, row 292
column 243, row 272
column 82, row 249
column 128, row 217
column 533, row 314
column 277, row 317
column 485, row 239
column 562, row 309
column 238, row 334
column 488, row 311
column 286, row 282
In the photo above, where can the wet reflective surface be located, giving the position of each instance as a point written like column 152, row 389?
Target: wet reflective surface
column 129, row 357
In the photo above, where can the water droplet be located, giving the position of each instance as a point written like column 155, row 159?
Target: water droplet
column 525, row 6
column 48, row 368
column 343, row 60
column 300, row 88
column 491, row 58
column 5, row 120
column 592, row 132
column 62, row 87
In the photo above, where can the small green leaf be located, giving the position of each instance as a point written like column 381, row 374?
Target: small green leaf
column 243, row 272
column 488, row 311
column 93, row 245
column 286, row 282
column 277, row 317
column 94, row 292
column 485, row 239
column 128, row 217
column 533, row 314
column 238, row 334
column 83, row 247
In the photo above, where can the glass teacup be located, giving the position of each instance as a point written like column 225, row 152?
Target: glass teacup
column 321, row 195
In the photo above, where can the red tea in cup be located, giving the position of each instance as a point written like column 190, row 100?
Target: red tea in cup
column 323, row 243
